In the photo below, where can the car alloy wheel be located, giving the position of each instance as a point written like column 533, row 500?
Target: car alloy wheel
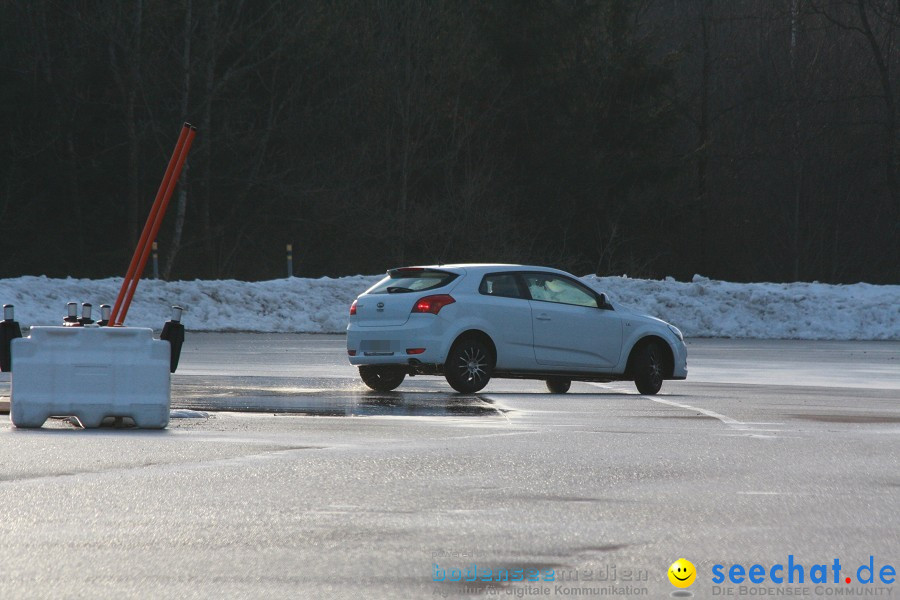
column 469, row 366
column 382, row 379
column 558, row 385
column 650, row 369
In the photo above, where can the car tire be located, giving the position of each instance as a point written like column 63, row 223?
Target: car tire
column 558, row 385
column 382, row 379
column 469, row 365
column 649, row 369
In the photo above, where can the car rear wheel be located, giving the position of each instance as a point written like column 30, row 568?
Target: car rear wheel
column 558, row 385
column 382, row 379
column 469, row 366
column 649, row 369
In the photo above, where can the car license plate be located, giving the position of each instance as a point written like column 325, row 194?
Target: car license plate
column 375, row 346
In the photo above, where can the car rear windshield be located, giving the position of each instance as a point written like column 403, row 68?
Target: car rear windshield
column 406, row 280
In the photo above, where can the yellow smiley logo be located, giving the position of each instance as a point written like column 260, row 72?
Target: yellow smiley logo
column 682, row 573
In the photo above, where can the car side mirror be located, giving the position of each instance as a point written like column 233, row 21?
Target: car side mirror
column 603, row 301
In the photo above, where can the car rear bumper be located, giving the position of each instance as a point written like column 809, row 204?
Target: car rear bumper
column 419, row 341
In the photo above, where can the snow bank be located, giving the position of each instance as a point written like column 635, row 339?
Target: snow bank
column 701, row 308
column 805, row 311
column 281, row 305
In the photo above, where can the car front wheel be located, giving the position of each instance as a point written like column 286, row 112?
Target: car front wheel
column 649, row 369
column 382, row 379
column 469, row 366
column 558, row 385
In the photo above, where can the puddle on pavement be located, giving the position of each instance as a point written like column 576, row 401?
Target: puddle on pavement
column 855, row 419
column 330, row 399
column 678, row 417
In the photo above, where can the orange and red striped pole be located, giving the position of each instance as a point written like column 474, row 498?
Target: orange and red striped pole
column 149, row 224
column 151, row 228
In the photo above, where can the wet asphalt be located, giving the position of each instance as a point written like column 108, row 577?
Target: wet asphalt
column 289, row 479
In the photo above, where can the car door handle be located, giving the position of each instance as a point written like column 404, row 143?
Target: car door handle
column 542, row 318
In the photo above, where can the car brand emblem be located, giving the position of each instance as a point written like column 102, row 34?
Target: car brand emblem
column 380, row 306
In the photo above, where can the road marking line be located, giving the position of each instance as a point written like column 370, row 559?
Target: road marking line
column 710, row 413
column 731, row 422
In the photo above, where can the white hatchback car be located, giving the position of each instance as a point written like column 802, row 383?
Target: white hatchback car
column 474, row 322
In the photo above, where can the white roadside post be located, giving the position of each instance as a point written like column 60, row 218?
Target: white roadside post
column 290, row 260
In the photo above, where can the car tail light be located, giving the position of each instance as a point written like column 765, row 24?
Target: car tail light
column 433, row 304
column 353, row 308
column 415, row 350
column 351, row 352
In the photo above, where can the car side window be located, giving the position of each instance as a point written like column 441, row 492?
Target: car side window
column 501, row 284
column 548, row 287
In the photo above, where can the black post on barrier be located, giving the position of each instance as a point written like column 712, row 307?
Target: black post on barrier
column 173, row 332
column 71, row 318
column 86, row 319
column 105, row 312
column 9, row 330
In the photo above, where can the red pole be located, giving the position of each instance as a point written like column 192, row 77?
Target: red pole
column 145, row 234
column 145, row 254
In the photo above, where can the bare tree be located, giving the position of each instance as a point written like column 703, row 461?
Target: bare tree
column 125, row 56
column 181, row 206
column 878, row 22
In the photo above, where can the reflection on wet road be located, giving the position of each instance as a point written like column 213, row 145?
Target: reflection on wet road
column 768, row 450
column 316, row 396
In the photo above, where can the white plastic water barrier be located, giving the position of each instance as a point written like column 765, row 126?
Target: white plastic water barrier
column 90, row 373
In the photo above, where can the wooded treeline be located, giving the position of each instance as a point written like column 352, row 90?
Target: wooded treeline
column 739, row 139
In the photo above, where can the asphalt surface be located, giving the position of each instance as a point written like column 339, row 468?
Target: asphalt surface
column 302, row 484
